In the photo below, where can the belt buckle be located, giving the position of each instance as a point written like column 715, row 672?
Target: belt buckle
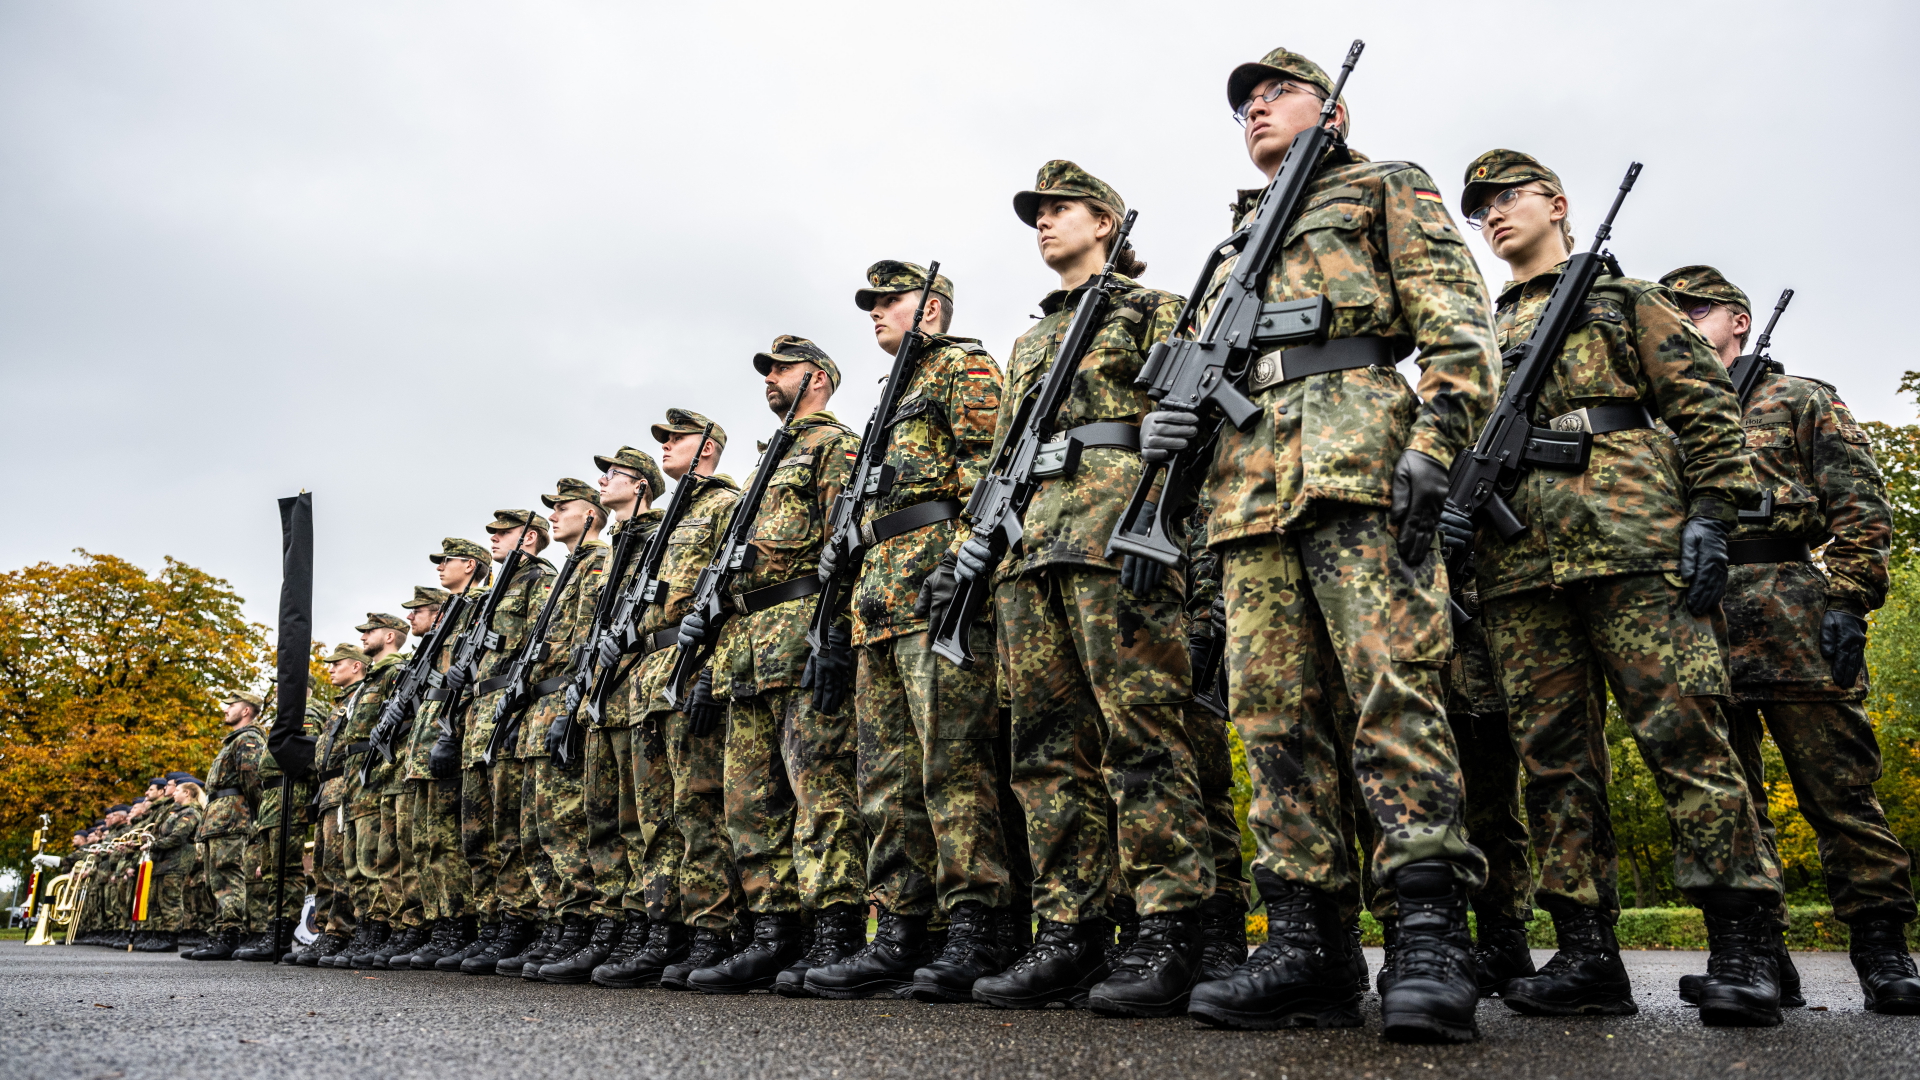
column 865, row 530
column 1267, row 371
column 1577, row 420
column 1061, row 457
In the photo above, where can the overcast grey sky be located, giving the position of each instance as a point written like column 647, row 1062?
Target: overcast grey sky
column 423, row 258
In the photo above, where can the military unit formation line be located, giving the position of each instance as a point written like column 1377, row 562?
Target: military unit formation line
column 974, row 671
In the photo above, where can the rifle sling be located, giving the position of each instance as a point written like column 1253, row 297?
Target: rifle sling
column 761, row 599
column 438, row 693
column 915, row 517
column 355, row 749
column 1106, row 435
column 547, row 686
column 1767, row 549
column 664, row 638
column 488, row 686
column 1339, row 354
column 331, row 774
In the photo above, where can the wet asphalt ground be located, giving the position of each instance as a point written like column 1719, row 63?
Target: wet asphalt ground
column 91, row 1014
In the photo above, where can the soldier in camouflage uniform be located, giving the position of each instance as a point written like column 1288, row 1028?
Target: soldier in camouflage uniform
column 490, row 794
column 553, row 820
column 263, row 847
column 173, row 856
column 375, row 844
column 1618, row 581
column 1322, row 513
column 333, row 910
column 621, row 795
column 1797, row 632
column 927, row 730
column 685, row 861
column 1097, row 669
column 792, row 806
column 233, row 781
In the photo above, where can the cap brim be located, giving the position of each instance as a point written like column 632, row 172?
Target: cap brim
column 1026, row 206
column 1249, row 75
column 864, row 299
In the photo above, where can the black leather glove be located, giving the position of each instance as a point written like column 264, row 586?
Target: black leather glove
column 936, row 592
column 556, row 732
column 830, row 671
column 1419, row 493
column 975, row 559
column 1166, row 432
column 443, row 761
column 1843, row 641
column 1703, row 562
column 1456, row 533
column 693, row 630
column 455, row 679
column 703, row 712
column 1137, row 575
column 383, row 733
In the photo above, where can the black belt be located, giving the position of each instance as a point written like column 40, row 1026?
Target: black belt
column 1768, row 549
column 498, row 682
column 438, row 693
column 332, row 774
column 547, row 686
column 1339, row 354
column 1108, row 434
column 355, row 749
column 1603, row 419
column 773, row 595
column 666, row 637
column 917, row 516
column 226, row 791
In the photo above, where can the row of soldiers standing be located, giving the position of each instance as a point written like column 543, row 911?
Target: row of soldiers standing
column 1053, row 826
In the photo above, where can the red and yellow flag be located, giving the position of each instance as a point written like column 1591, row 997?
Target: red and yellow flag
column 142, row 890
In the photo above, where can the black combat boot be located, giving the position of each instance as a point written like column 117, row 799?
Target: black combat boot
column 885, row 964
column 255, row 947
column 1390, row 955
column 396, row 954
column 536, row 953
column 1357, row 955
column 575, row 930
column 1223, row 932
column 1743, row 976
column 708, row 948
column 1887, row 976
column 577, row 966
column 1065, row 961
column 1585, row 976
column 1434, row 993
column 633, row 938
column 220, row 945
column 440, row 941
column 377, row 935
column 1157, row 972
column 361, row 942
column 838, row 933
column 1500, row 953
column 509, row 938
column 779, row 940
column 324, row 946
column 1303, row 975
column 459, row 939
column 973, row 951
column 667, row 945
column 1790, row 995
column 1126, row 923
column 189, row 940
column 157, row 941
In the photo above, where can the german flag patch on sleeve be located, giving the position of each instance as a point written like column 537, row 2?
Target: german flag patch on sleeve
column 1428, row 196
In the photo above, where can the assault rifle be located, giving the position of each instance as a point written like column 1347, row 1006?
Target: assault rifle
column 644, row 590
column 532, row 652
column 1204, row 375
column 396, row 714
column 872, row 479
column 480, row 639
column 1510, row 444
column 567, row 745
column 734, row 557
column 1028, row 456
column 1746, row 372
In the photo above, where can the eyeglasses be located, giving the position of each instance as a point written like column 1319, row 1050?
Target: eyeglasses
column 1502, row 202
column 1699, row 311
column 1271, row 96
column 611, row 473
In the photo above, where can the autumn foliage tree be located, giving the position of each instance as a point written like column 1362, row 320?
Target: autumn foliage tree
column 108, row 676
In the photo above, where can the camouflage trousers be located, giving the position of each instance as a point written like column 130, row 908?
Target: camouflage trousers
column 1490, row 768
column 1325, row 611
column 1099, row 681
column 1211, row 739
column 227, row 878
column 200, row 905
column 167, row 906
column 333, row 856
column 703, row 884
column 1832, row 759
column 614, row 839
column 258, row 859
column 792, row 807
column 553, row 838
column 929, row 792
column 490, row 840
column 1559, row 650
column 446, row 882
column 360, row 847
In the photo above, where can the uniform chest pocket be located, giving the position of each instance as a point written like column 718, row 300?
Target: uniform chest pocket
column 787, row 514
column 1598, row 350
column 1769, row 437
column 918, row 442
column 1336, row 234
column 691, row 531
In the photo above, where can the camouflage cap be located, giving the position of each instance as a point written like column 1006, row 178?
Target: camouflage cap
column 425, row 596
column 1706, row 283
column 188, row 778
column 1060, row 179
column 347, row 652
column 632, row 457
column 453, row 547
column 793, row 349
column 510, row 520
column 1282, row 64
column 889, row 276
column 687, row 422
column 567, row 489
column 1500, row 169
column 247, row 696
column 380, row 620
